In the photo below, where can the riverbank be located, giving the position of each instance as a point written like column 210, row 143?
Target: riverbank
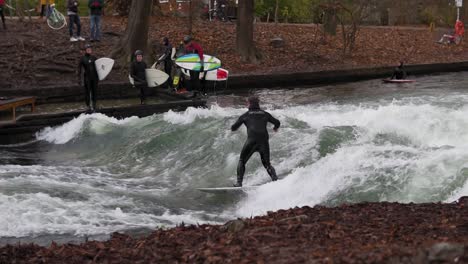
column 359, row 233
column 34, row 56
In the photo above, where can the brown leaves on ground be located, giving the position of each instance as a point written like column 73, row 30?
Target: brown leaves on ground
column 361, row 233
column 33, row 55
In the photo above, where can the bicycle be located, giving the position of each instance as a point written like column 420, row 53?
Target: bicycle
column 55, row 19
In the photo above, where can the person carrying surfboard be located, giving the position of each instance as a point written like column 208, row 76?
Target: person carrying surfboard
column 90, row 78
column 137, row 71
column 193, row 47
column 256, row 121
column 399, row 73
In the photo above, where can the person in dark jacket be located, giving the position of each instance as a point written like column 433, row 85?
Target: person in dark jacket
column 399, row 73
column 2, row 7
column 96, row 12
column 256, row 121
column 138, row 73
column 88, row 77
column 167, row 60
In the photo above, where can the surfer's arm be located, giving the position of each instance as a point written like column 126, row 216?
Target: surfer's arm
column 274, row 121
column 238, row 123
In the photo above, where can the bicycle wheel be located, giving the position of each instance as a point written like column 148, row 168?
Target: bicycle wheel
column 56, row 20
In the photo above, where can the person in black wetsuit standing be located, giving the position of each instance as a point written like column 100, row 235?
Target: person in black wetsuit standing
column 90, row 77
column 138, row 73
column 256, row 121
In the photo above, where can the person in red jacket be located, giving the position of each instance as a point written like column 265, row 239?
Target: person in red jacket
column 2, row 6
column 193, row 47
column 457, row 36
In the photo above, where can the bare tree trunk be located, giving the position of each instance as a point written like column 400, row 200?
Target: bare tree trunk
column 190, row 19
column 245, row 30
column 136, row 35
column 276, row 11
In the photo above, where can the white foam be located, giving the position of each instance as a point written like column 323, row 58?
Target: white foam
column 191, row 114
column 70, row 130
column 438, row 138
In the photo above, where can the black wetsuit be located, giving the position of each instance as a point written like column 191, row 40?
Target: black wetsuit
column 2, row 6
column 256, row 121
column 90, row 80
column 399, row 73
column 168, row 62
column 138, row 73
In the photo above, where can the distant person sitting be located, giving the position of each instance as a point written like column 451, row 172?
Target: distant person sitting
column 456, row 37
column 2, row 6
column 399, row 73
column 138, row 73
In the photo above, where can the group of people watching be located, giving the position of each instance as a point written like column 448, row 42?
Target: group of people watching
column 88, row 77
column 96, row 10
column 138, row 67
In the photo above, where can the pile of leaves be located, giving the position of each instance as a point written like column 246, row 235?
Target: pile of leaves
column 360, row 233
column 32, row 55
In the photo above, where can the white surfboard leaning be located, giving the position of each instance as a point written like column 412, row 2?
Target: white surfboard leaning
column 220, row 190
column 155, row 77
column 192, row 62
column 104, row 67
column 217, row 75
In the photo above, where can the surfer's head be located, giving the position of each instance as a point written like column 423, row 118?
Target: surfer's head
column 165, row 40
column 254, row 102
column 139, row 55
column 187, row 39
column 88, row 48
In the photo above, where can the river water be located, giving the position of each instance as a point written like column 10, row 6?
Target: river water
column 347, row 143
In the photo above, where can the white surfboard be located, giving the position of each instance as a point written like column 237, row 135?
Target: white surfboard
column 214, row 75
column 219, row 190
column 104, row 67
column 155, row 77
column 192, row 62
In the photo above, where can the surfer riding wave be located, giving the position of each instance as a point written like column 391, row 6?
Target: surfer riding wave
column 256, row 121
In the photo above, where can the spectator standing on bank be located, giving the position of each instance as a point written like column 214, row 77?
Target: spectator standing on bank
column 96, row 11
column 74, row 18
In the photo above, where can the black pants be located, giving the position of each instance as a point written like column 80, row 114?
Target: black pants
column 42, row 10
column 250, row 147
column 142, row 88
column 3, row 17
column 195, row 82
column 168, row 70
column 91, row 93
column 74, row 19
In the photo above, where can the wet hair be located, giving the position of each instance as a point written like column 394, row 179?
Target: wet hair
column 254, row 102
column 187, row 39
